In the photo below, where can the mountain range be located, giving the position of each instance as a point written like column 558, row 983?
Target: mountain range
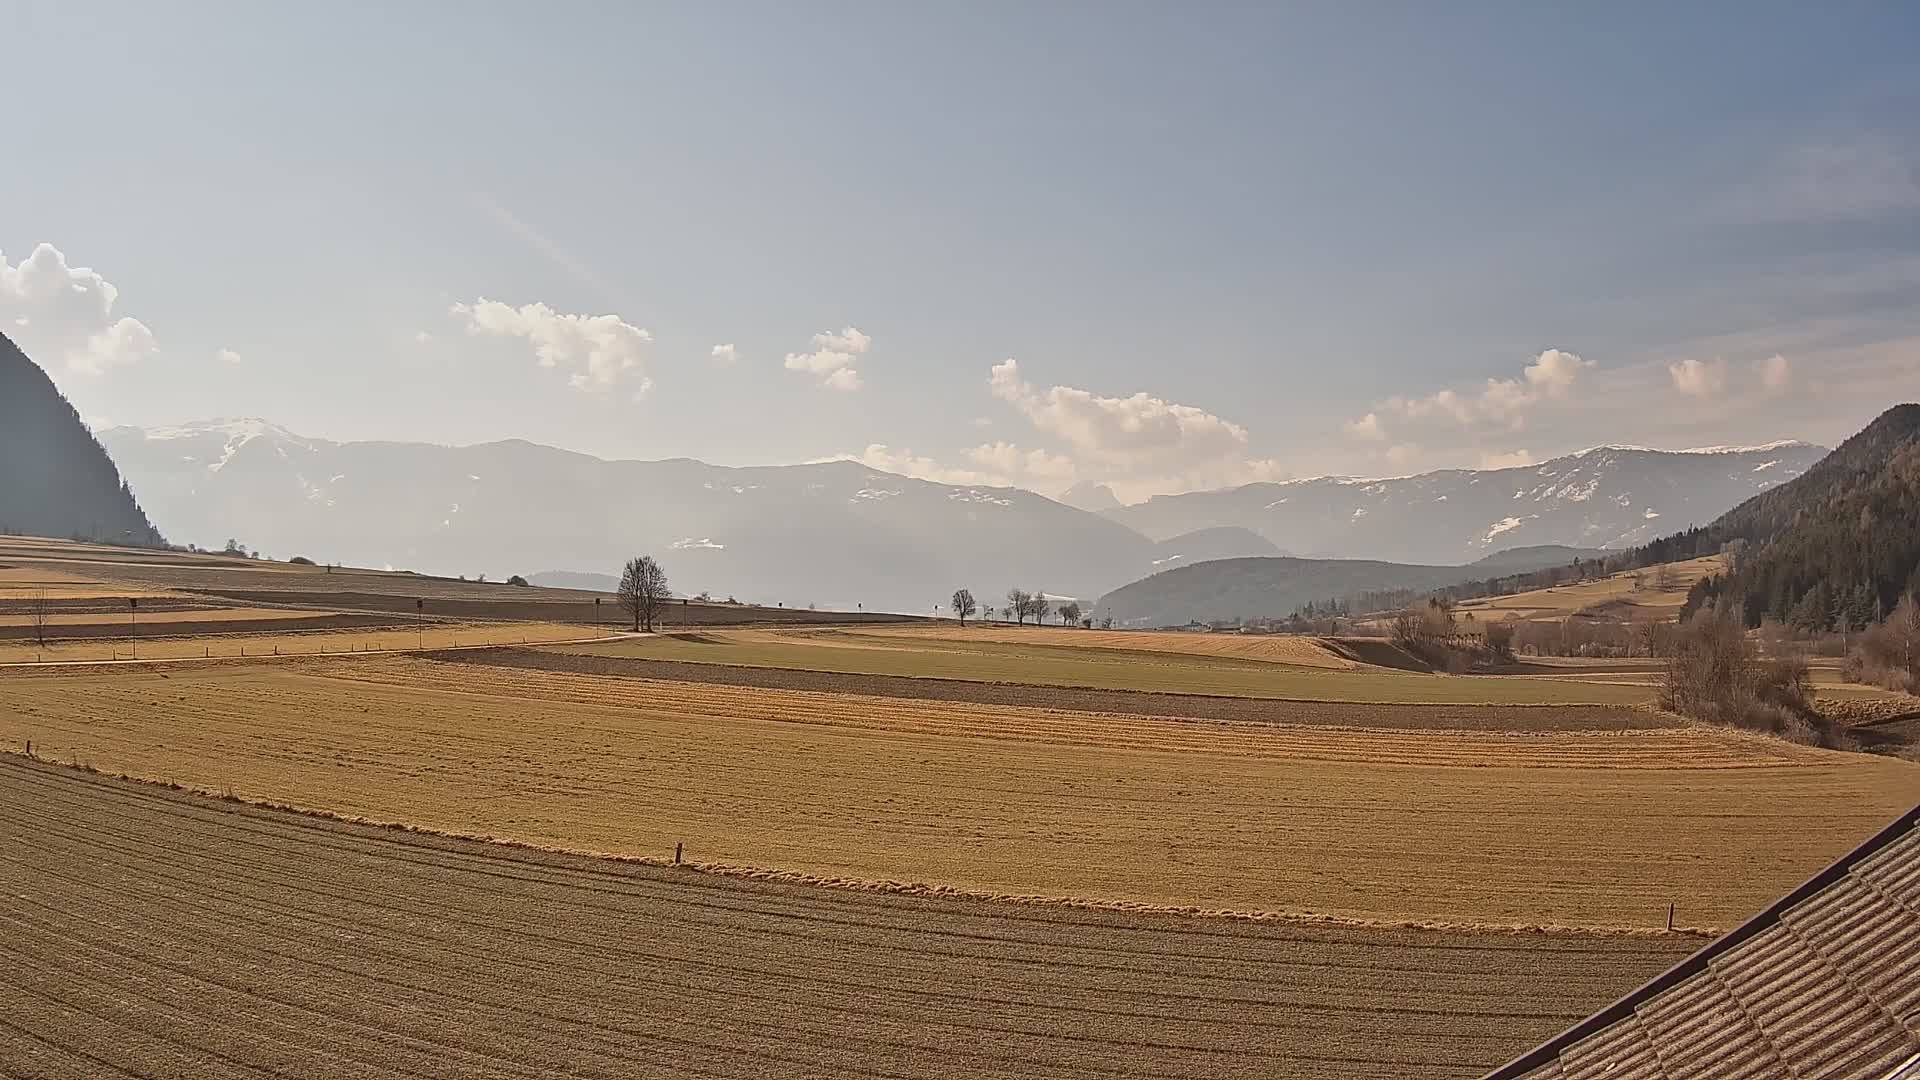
column 841, row 534
column 55, row 480
column 1607, row 497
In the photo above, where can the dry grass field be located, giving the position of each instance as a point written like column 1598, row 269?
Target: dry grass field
column 159, row 934
column 1486, row 828
column 1636, row 595
column 1084, row 663
column 318, row 636
column 1279, row 649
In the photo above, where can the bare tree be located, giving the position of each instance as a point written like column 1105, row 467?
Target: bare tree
column 39, row 614
column 1019, row 603
column 964, row 605
column 643, row 591
column 1070, row 613
column 1037, row 606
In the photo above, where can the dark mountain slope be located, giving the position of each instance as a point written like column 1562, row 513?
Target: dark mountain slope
column 1271, row 588
column 55, row 479
column 1841, row 542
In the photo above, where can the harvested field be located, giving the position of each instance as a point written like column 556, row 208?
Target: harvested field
column 854, row 652
column 1479, row 828
column 311, row 636
column 1635, row 595
column 1281, row 649
column 160, row 934
column 1249, row 710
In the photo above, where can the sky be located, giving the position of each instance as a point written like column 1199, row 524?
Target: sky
column 1161, row 247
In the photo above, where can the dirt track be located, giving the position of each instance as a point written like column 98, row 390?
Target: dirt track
column 1124, row 702
column 153, row 933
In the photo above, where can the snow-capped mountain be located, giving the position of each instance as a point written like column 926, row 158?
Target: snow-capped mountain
column 1607, row 497
column 837, row 534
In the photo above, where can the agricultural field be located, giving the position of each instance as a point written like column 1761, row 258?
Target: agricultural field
column 163, row 934
column 1085, row 663
column 1649, row 595
column 1280, row 649
column 315, row 636
column 1384, row 826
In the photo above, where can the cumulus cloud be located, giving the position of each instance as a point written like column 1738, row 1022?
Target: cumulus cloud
column 228, row 356
column 64, row 313
column 1141, row 431
column 421, row 337
column 832, row 358
column 907, row 463
column 1776, row 374
column 1401, row 455
column 1025, row 467
column 1550, row 376
column 725, row 355
column 1513, row 459
column 599, row 352
column 1367, row 427
column 1699, row 378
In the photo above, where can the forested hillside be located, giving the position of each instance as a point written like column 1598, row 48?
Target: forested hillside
column 1835, row 548
column 55, row 479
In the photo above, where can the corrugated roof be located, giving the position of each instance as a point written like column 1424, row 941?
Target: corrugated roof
column 1824, row 983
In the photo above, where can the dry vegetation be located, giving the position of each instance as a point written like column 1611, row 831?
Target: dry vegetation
column 160, row 934
column 1473, row 827
column 927, row 656
column 1281, row 649
column 298, row 637
column 1653, row 594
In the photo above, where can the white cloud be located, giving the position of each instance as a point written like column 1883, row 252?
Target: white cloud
column 599, row 351
column 1506, row 403
column 1699, row 378
column 1138, row 432
column 1511, row 460
column 1367, row 427
column 833, row 357
column 725, row 355
column 421, row 337
column 907, row 463
column 227, row 356
column 1026, row 467
column 1776, row 374
column 65, row 313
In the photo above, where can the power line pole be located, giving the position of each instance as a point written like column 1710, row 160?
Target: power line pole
column 133, row 620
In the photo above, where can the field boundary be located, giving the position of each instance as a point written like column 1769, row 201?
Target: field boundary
column 15, row 758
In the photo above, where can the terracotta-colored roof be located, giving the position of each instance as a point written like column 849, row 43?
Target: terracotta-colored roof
column 1824, row 983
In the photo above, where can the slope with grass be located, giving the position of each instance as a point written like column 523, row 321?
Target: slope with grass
column 1392, row 827
column 162, row 934
column 1652, row 594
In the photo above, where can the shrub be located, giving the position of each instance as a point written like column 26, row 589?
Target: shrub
column 517, row 580
column 1715, row 674
column 300, row 560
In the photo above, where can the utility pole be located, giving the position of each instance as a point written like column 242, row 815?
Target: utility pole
column 133, row 624
column 420, row 621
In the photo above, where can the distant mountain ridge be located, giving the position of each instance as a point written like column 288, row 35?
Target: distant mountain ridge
column 1606, row 497
column 838, row 534
column 55, row 479
column 1241, row 590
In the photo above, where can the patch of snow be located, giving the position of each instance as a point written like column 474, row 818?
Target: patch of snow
column 877, row 493
column 1168, row 559
column 1275, row 503
column 1359, row 512
column 1763, row 448
column 1504, row 525
column 971, row 495
column 470, row 476
column 693, row 543
column 1651, row 514
column 1765, row 465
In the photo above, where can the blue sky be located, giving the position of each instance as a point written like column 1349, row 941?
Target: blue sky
column 1221, row 242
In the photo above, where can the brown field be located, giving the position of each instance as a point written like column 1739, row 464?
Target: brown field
column 313, row 636
column 1615, row 596
column 1280, row 649
column 160, row 934
column 1512, row 828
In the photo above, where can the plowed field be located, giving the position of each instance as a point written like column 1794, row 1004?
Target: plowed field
column 1484, row 828
column 1279, row 649
column 159, row 934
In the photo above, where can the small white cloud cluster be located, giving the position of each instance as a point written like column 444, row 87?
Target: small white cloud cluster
column 1140, row 432
column 725, row 355
column 1709, row 379
column 600, row 352
column 833, row 357
column 63, row 312
column 1501, row 402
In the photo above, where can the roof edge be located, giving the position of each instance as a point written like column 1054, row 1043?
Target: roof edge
column 1698, row 962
